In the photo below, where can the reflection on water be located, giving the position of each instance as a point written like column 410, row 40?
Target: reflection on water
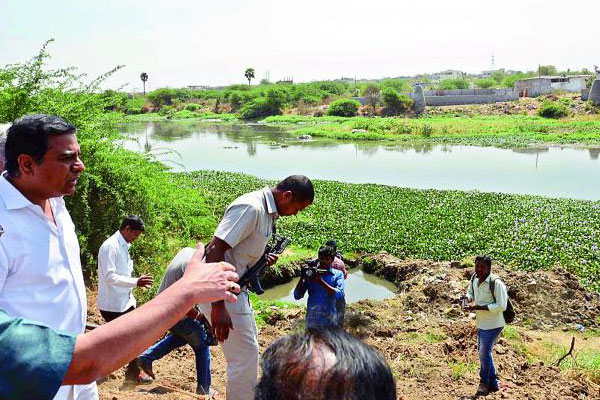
column 271, row 152
column 359, row 286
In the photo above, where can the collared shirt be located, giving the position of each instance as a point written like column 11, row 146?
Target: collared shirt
column 482, row 295
column 115, row 284
column 340, row 266
column 40, row 269
column 321, row 309
column 247, row 227
column 40, row 265
column 34, row 358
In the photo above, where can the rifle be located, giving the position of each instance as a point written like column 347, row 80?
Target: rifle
column 250, row 278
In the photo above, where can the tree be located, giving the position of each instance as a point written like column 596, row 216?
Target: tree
column 547, row 70
column 395, row 103
column 144, row 78
column 485, row 83
column 249, row 74
column 373, row 94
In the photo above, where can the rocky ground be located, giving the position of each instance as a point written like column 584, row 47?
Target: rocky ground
column 525, row 105
column 430, row 343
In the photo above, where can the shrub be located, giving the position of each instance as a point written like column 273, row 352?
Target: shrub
column 343, row 108
column 135, row 106
column 192, row 107
column 485, row 83
column 395, row 103
column 551, row 109
column 263, row 106
column 451, row 84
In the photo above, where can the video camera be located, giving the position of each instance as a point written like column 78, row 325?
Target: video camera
column 311, row 269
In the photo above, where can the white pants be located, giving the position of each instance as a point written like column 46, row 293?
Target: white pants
column 240, row 349
column 77, row 392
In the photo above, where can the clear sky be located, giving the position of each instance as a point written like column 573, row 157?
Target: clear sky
column 201, row 42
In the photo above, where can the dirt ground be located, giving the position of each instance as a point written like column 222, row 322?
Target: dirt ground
column 428, row 341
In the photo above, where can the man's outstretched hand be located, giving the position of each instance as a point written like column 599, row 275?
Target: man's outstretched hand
column 211, row 281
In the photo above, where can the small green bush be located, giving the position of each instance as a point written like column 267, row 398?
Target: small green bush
column 394, row 102
column 135, row 106
column 551, row 109
column 263, row 106
column 343, row 108
column 192, row 107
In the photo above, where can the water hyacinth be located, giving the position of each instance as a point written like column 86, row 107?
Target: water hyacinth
column 527, row 232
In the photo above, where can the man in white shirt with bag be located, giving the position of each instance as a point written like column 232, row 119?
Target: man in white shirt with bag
column 490, row 296
column 115, row 283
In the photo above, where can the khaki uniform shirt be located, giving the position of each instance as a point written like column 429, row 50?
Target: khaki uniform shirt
column 247, row 227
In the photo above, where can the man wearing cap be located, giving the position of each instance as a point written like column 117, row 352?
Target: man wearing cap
column 240, row 239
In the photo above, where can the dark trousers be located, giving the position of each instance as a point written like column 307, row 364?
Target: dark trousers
column 132, row 370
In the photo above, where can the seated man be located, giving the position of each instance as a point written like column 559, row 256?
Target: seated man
column 325, row 287
column 189, row 330
column 324, row 365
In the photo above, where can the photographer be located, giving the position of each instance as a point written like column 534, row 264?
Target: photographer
column 325, row 287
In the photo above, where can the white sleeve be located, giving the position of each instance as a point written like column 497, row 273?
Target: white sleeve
column 107, row 269
column 239, row 222
column 501, row 296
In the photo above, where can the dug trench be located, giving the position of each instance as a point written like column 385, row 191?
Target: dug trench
column 428, row 341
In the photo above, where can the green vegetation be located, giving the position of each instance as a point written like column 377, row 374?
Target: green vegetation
column 395, row 103
column 116, row 182
column 527, row 232
column 343, row 108
column 460, row 369
column 263, row 106
column 551, row 109
column 586, row 361
column 505, row 131
column 451, row 84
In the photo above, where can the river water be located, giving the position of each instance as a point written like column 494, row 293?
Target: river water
column 271, row 152
column 359, row 286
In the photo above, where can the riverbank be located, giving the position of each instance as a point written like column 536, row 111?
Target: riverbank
column 525, row 232
column 428, row 341
column 503, row 131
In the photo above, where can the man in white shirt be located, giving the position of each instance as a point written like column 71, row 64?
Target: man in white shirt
column 488, row 307
column 115, row 283
column 240, row 239
column 40, row 266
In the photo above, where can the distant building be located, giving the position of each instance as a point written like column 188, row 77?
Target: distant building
column 533, row 87
column 447, row 74
column 198, row 87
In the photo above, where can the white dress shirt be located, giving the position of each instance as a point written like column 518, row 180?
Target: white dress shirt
column 40, row 269
column 115, row 284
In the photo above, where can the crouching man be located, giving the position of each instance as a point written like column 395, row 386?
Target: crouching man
column 325, row 287
column 490, row 297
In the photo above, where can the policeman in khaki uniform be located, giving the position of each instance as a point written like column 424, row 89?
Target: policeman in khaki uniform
column 240, row 239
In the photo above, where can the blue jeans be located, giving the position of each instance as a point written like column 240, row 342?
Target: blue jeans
column 186, row 331
column 486, row 338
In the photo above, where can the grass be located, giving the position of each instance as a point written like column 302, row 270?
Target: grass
column 505, row 131
column 460, row 369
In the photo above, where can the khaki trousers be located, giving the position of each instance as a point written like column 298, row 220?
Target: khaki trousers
column 240, row 349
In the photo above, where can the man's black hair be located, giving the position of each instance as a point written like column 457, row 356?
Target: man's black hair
column 29, row 135
column 359, row 371
column 325, row 251
column 331, row 243
column 134, row 222
column 300, row 186
column 485, row 259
